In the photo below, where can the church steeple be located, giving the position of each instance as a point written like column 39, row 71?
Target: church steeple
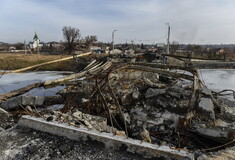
column 35, row 38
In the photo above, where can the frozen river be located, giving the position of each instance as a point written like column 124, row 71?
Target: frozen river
column 216, row 80
column 13, row 81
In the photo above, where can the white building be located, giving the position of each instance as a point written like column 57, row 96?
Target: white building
column 35, row 45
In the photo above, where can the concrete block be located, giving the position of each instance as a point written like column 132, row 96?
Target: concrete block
column 28, row 100
column 206, row 106
column 110, row 141
column 22, row 100
column 214, row 134
column 154, row 92
column 206, row 91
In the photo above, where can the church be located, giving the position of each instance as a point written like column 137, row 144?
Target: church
column 35, row 45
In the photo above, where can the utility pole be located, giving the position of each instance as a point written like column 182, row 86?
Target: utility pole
column 24, row 47
column 168, row 38
column 132, row 42
column 113, row 38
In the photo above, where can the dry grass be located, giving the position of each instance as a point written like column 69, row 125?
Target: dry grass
column 11, row 61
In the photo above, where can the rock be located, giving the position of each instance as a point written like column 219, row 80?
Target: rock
column 139, row 123
column 127, row 99
column 32, row 149
column 136, row 95
column 154, row 92
column 26, row 130
column 198, row 125
column 29, row 109
column 174, row 94
column 95, row 119
column 64, row 148
column 19, row 156
column 161, row 128
column 153, row 129
column 88, row 124
column 70, row 118
column 1, row 129
column 216, row 134
column 155, row 140
column 84, row 100
column 78, row 115
column 87, row 116
column 127, row 118
column 206, row 91
column 120, row 133
column 56, row 113
column 207, row 107
column 109, row 129
column 50, row 118
column 145, row 136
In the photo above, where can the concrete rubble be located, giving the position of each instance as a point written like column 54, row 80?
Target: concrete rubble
column 149, row 108
column 22, row 100
column 110, row 141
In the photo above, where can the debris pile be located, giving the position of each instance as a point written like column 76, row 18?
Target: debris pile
column 156, row 103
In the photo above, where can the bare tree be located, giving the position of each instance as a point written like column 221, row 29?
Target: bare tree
column 71, row 35
column 89, row 40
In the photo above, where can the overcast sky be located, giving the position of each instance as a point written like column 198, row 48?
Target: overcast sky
column 192, row 21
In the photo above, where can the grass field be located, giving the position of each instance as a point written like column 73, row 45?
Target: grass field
column 11, row 61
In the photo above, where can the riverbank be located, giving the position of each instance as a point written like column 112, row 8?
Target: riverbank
column 12, row 61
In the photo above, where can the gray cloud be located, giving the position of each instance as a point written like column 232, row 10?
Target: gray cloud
column 194, row 21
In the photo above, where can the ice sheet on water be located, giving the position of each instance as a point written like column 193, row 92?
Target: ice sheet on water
column 219, row 79
column 13, row 81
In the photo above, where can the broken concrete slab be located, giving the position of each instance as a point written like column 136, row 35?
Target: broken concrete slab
column 136, row 95
column 109, row 140
column 216, row 134
column 205, row 91
column 207, row 107
column 151, row 92
column 33, row 101
column 22, row 100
